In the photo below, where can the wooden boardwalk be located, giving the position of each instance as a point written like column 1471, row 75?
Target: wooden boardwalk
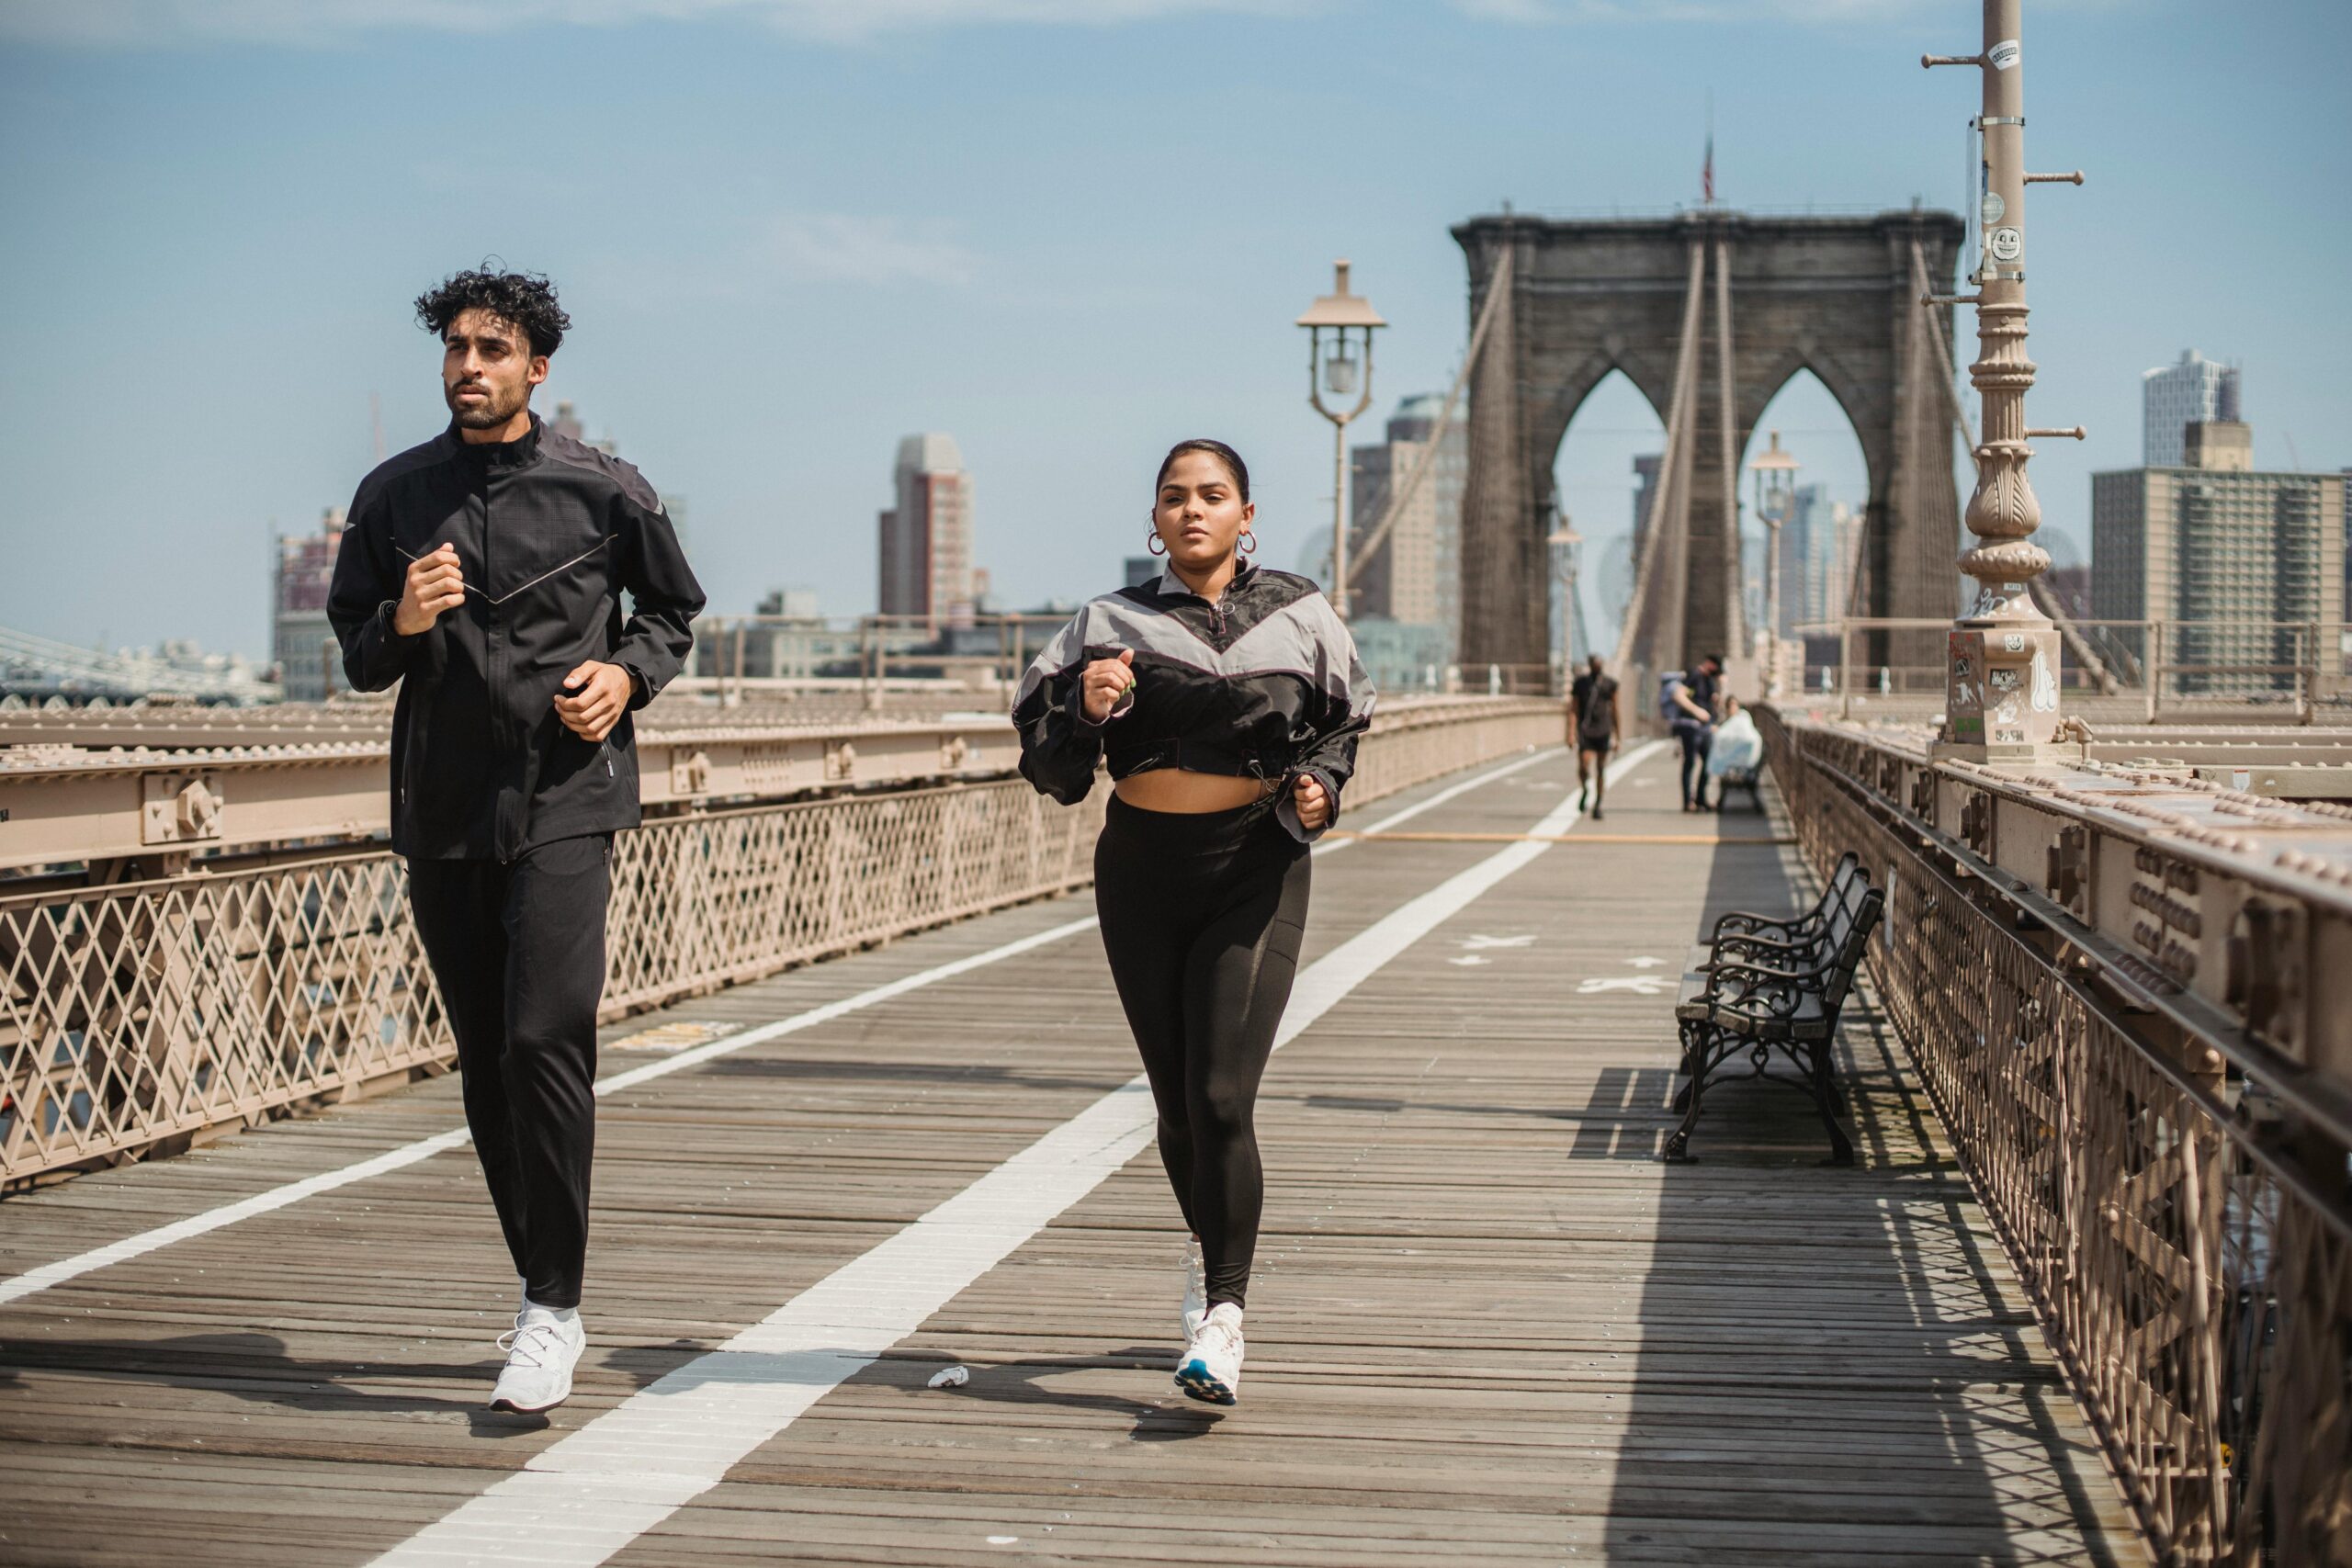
column 1488, row 1326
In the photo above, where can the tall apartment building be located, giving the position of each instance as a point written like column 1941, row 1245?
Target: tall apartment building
column 1813, row 547
column 1415, row 576
column 926, row 537
column 2174, row 397
column 303, row 647
column 2235, row 562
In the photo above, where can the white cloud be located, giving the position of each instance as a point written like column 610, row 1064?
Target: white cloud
column 143, row 22
column 839, row 247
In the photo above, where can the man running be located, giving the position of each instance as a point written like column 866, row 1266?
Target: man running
column 1594, row 725
column 483, row 572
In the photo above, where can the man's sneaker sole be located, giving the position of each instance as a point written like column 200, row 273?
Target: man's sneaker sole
column 512, row 1407
column 1194, row 1378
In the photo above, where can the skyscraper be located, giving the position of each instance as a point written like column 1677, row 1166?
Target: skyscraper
column 926, row 538
column 2173, row 397
column 1810, row 546
column 2236, row 563
column 1415, row 576
column 309, row 658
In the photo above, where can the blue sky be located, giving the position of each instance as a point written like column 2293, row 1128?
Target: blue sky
column 1067, row 231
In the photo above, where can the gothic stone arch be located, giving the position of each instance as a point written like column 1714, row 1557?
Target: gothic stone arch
column 1830, row 295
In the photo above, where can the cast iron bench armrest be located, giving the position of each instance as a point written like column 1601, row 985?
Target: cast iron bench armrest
column 1740, row 922
column 1740, row 942
column 1755, row 976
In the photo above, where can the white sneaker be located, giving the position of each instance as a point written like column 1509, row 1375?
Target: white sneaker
column 1197, row 1290
column 541, row 1350
column 1211, row 1366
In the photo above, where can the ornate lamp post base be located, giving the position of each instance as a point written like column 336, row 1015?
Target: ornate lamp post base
column 2001, row 667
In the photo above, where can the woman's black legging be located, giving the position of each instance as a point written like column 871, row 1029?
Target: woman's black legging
column 1201, row 917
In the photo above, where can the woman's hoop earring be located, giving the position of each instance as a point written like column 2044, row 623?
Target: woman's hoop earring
column 1248, row 544
column 1155, row 544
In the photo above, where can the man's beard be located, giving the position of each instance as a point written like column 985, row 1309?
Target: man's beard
column 488, row 414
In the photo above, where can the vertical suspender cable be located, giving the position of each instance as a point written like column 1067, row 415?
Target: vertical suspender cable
column 1676, row 436
column 1498, row 288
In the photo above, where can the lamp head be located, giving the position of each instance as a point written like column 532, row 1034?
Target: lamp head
column 1339, row 308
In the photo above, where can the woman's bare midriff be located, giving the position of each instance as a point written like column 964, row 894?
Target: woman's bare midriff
column 1182, row 791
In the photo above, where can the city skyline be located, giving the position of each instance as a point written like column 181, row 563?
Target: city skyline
column 802, row 262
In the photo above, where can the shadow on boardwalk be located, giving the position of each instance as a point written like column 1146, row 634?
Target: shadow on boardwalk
column 1834, row 1363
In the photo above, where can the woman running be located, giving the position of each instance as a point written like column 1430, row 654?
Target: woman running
column 1228, row 699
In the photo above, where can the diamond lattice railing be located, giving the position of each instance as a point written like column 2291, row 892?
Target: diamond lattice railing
column 136, row 1017
column 2194, row 1274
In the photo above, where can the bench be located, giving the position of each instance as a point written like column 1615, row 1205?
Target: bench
column 1758, row 994
column 1743, row 931
column 1749, row 779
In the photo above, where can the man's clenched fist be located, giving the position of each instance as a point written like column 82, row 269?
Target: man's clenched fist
column 1103, row 682
column 594, row 696
column 434, row 584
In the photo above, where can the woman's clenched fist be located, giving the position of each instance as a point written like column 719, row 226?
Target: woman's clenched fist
column 1103, row 682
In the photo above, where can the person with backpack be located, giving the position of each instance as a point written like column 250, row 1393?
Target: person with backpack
column 1693, row 725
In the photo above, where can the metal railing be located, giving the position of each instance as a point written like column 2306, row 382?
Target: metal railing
column 2181, row 1224
column 890, row 663
column 2148, row 669
column 138, row 1018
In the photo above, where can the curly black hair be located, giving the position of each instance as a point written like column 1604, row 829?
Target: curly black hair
column 526, row 299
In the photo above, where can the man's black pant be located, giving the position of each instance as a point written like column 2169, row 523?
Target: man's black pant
column 519, row 951
column 1697, row 739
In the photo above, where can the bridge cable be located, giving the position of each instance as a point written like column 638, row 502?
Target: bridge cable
column 1676, row 439
column 1727, row 414
column 1498, row 289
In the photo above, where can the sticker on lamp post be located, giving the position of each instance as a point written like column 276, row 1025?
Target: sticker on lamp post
column 1964, row 699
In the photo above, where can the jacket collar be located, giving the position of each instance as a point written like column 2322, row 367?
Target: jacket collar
column 519, row 453
column 1169, row 585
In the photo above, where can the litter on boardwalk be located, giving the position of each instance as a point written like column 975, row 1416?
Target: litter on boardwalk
column 952, row 1377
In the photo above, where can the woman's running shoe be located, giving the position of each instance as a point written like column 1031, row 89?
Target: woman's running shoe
column 1197, row 1290
column 1211, row 1371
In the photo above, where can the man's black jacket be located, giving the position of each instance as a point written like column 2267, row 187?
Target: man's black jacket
column 549, row 532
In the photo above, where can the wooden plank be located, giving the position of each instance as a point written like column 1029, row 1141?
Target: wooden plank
column 1487, row 1325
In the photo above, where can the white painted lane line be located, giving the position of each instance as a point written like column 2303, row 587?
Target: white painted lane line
column 594, row 1491
column 50, row 1274
column 56, row 1273
column 1440, row 797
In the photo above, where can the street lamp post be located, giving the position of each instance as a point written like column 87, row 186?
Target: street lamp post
column 1346, row 371
column 1776, row 485
column 2001, row 685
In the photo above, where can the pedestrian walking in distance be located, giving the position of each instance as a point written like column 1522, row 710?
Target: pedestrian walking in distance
column 1227, row 699
column 1594, row 724
column 483, row 572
